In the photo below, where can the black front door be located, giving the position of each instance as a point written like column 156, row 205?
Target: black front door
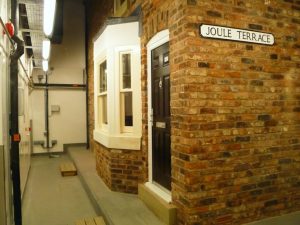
column 161, row 154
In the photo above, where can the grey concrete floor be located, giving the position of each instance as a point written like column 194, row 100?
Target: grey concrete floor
column 51, row 199
column 117, row 208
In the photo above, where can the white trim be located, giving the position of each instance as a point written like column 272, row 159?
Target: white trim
column 121, row 141
column 160, row 191
column 156, row 41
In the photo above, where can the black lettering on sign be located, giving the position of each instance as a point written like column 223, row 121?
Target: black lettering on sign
column 233, row 34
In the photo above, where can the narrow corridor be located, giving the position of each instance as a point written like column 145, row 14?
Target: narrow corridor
column 180, row 112
column 51, row 199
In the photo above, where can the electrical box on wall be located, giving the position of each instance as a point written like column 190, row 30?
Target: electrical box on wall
column 55, row 108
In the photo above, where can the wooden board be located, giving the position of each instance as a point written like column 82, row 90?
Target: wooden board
column 68, row 169
column 91, row 221
column 80, row 222
column 99, row 220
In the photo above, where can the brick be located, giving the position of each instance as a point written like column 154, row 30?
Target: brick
column 264, row 184
column 273, row 56
column 256, row 68
column 257, row 83
column 285, row 161
column 294, row 20
column 226, row 125
column 271, row 203
column 208, row 111
column 256, row 192
column 296, row 109
column 291, row 38
column 214, row 13
column 242, row 124
column 208, row 126
column 247, row 61
column 271, row 123
column 272, row 176
column 242, row 167
column 295, row 7
column 207, row 201
column 264, row 117
column 242, row 139
column 203, row 64
column 184, row 157
column 248, row 187
column 249, row 47
column 277, row 76
column 255, row 26
column 286, row 57
column 191, row 2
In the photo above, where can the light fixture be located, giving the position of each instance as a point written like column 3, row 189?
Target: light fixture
column 46, row 49
column 49, row 12
column 45, row 65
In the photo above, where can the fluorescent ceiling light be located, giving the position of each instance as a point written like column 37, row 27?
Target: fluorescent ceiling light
column 49, row 12
column 46, row 48
column 45, row 65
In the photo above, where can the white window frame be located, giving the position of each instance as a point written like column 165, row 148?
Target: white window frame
column 98, row 116
column 109, row 46
column 100, row 96
column 126, row 129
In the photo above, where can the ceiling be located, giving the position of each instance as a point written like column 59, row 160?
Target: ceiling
column 31, row 25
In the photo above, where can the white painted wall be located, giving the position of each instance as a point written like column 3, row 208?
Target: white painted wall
column 24, row 125
column 68, row 62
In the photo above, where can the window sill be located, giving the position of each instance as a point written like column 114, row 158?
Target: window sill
column 121, row 141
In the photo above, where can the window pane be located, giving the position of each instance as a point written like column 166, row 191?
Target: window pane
column 99, row 112
column 128, row 109
column 126, row 70
column 103, row 77
column 104, row 109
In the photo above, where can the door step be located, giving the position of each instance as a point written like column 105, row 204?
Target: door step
column 165, row 211
column 68, row 169
column 91, row 221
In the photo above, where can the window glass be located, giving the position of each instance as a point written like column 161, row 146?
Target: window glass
column 128, row 109
column 126, row 70
column 104, row 109
column 103, row 93
column 103, row 77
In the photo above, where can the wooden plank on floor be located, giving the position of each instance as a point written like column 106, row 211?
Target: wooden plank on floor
column 68, row 169
column 99, row 221
column 80, row 222
column 89, row 221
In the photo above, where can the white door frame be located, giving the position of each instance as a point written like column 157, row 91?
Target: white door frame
column 157, row 40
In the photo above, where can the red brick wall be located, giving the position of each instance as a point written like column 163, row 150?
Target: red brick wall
column 235, row 112
column 235, row 115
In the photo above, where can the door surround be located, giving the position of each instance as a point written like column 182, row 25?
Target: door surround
column 157, row 40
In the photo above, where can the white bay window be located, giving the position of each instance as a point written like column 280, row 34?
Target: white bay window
column 117, row 80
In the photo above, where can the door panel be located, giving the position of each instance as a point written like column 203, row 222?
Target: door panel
column 161, row 116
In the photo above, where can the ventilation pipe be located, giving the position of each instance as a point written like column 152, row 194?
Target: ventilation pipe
column 14, row 120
